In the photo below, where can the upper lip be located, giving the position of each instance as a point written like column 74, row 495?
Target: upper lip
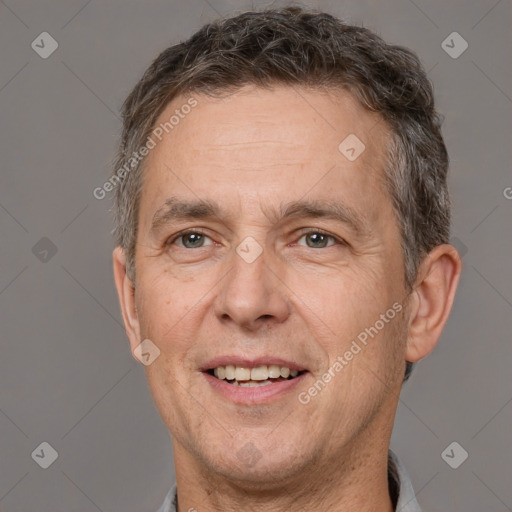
column 250, row 363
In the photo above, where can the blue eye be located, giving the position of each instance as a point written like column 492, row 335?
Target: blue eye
column 191, row 240
column 194, row 239
column 318, row 239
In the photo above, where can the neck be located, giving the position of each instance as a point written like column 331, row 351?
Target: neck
column 354, row 479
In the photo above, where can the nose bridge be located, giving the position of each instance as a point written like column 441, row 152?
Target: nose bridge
column 252, row 292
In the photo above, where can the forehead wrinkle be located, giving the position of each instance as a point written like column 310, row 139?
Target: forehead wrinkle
column 238, row 145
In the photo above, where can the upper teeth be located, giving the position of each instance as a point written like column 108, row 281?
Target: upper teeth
column 231, row 372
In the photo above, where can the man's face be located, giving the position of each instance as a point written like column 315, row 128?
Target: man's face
column 265, row 282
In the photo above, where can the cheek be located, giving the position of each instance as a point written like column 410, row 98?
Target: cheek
column 354, row 318
column 343, row 302
column 165, row 301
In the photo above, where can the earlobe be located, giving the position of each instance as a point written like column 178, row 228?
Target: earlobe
column 126, row 294
column 432, row 300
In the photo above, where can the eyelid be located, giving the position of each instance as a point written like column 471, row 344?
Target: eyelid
column 302, row 232
column 173, row 238
column 307, row 231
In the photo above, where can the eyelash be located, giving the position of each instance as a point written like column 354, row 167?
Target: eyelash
column 196, row 231
column 318, row 231
column 302, row 233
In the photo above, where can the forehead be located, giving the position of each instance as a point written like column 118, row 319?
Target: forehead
column 265, row 143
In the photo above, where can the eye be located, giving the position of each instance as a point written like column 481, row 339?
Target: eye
column 190, row 240
column 318, row 239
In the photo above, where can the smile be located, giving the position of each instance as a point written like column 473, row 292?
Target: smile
column 263, row 375
column 257, row 381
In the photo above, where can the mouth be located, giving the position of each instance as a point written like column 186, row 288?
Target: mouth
column 257, row 376
column 257, row 382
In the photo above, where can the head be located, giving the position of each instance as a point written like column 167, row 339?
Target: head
column 305, row 158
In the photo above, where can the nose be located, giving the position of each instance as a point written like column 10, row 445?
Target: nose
column 253, row 294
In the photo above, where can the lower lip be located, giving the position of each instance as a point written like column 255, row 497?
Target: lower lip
column 255, row 395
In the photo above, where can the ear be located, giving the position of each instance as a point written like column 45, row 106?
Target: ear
column 126, row 293
column 432, row 299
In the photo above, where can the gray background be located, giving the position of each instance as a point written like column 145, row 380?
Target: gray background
column 67, row 376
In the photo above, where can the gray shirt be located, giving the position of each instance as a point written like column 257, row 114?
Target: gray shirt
column 399, row 485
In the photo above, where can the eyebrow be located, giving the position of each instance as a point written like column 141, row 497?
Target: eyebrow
column 175, row 209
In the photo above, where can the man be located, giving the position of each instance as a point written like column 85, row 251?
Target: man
column 282, row 220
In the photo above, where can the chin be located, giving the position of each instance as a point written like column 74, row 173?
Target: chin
column 256, row 463
column 269, row 475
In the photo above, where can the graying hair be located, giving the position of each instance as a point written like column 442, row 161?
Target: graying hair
column 296, row 47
